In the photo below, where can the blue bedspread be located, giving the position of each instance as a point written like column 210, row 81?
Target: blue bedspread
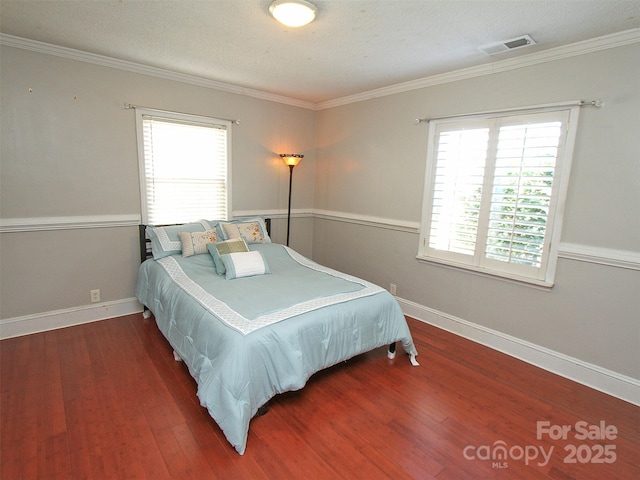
column 248, row 339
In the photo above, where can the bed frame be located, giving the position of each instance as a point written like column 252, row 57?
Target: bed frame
column 145, row 243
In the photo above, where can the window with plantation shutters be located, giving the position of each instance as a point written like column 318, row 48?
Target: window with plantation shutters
column 184, row 167
column 494, row 192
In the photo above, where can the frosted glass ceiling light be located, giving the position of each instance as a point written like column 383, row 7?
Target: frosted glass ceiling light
column 293, row 13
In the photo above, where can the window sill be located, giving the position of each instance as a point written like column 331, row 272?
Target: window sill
column 519, row 280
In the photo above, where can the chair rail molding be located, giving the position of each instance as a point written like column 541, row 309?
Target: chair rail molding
column 572, row 251
column 600, row 255
column 34, row 224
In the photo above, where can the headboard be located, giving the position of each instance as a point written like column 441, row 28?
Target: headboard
column 145, row 243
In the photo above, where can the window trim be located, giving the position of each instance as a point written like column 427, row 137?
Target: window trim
column 142, row 112
column 545, row 276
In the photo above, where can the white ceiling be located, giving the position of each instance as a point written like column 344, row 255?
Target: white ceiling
column 353, row 46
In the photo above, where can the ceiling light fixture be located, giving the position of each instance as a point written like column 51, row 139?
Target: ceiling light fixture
column 293, row 13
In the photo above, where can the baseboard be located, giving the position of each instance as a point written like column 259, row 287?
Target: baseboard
column 606, row 381
column 41, row 322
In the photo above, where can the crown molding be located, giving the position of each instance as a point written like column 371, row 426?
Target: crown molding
column 580, row 48
column 102, row 60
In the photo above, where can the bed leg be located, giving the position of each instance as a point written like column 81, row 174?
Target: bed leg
column 391, row 353
column 263, row 409
column 146, row 313
column 176, row 357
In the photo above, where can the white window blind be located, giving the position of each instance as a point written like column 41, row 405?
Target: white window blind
column 494, row 190
column 522, row 190
column 459, row 175
column 184, row 167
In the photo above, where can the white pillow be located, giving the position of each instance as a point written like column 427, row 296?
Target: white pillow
column 244, row 264
column 228, row 246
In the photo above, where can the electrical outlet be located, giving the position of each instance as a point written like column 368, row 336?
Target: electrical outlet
column 392, row 289
column 95, row 296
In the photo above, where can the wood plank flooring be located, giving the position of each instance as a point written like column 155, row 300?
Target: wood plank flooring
column 107, row 401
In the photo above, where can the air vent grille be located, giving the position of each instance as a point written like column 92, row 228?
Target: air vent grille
column 508, row 45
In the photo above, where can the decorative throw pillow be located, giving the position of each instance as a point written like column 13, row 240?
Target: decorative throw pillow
column 225, row 247
column 252, row 230
column 244, row 264
column 165, row 240
column 195, row 243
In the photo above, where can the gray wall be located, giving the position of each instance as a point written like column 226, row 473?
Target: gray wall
column 68, row 149
column 370, row 161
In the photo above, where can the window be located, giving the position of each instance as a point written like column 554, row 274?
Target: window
column 494, row 192
column 184, row 167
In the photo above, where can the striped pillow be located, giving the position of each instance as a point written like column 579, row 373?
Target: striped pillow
column 221, row 248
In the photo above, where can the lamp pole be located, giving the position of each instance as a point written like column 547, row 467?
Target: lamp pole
column 291, row 159
column 289, row 210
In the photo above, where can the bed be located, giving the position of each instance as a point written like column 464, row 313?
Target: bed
column 255, row 321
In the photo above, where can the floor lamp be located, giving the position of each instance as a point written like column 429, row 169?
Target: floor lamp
column 291, row 159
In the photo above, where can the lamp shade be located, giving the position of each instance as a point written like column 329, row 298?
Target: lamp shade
column 291, row 159
column 293, row 13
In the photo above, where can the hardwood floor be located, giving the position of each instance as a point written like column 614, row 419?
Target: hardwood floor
column 107, row 401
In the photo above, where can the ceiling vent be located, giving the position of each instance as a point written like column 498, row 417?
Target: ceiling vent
column 508, row 45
